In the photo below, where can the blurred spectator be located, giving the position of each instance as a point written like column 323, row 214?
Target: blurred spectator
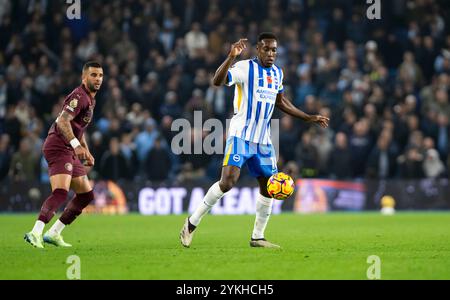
column 5, row 9
column 12, row 126
column 194, row 164
column 145, row 139
column 97, row 147
column 152, row 94
column 217, row 102
column 340, row 158
column 292, row 169
column 170, row 106
column 410, row 164
column 307, row 156
column 288, row 136
column 322, row 141
column 5, row 155
column 360, row 146
column 381, row 163
column 166, row 128
column 113, row 164
column 24, row 163
column 3, row 98
column 196, row 41
column 197, row 103
column 432, row 165
column 158, row 163
column 305, row 88
column 337, row 27
column 87, row 47
column 443, row 134
column 128, row 149
column 409, row 70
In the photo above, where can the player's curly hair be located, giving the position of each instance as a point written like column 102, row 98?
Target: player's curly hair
column 267, row 35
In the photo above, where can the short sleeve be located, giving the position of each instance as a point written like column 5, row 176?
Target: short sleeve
column 73, row 104
column 281, row 86
column 237, row 73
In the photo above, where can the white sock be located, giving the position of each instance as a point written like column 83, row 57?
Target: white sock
column 57, row 228
column 212, row 196
column 263, row 211
column 38, row 227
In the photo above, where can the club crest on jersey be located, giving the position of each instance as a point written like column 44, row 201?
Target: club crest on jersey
column 68, row 167
column 236, row 158
column 73, row 103
column 269, row 80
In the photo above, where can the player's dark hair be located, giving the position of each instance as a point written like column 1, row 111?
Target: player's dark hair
column 91, row 64
column 267, row 35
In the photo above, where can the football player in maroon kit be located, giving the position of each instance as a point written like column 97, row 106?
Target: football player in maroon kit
column 67, row 155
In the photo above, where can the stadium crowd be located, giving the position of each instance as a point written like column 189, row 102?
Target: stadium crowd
column 384, row 83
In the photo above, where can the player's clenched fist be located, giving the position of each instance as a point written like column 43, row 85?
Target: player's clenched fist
column 238, row 47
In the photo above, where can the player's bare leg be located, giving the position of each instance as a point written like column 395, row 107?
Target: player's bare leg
column 60, row 186
column 229, row 177
column 84, row 195
column 263, row 211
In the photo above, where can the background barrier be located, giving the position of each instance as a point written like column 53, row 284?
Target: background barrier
column 311, row 196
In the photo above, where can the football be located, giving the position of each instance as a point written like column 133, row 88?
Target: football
column 280, row 186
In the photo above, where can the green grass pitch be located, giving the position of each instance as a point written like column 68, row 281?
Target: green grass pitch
column 328, row 246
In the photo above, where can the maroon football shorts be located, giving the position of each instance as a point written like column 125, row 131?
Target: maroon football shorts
column 63, row 161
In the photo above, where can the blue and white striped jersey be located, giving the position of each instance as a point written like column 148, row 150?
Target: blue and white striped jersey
column 254, row 99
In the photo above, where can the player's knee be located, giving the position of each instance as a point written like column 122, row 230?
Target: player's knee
column 227, row 183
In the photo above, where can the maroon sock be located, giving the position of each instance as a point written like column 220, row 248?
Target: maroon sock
column 75, row 207
column 51, row 205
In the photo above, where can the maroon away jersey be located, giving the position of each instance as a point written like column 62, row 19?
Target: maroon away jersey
column 80, row 105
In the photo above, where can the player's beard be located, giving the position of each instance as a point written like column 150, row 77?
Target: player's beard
column 91, row 87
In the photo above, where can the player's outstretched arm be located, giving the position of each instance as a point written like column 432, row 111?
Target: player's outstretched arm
column 286, row 106
column 221, row 72
column 63, row 124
